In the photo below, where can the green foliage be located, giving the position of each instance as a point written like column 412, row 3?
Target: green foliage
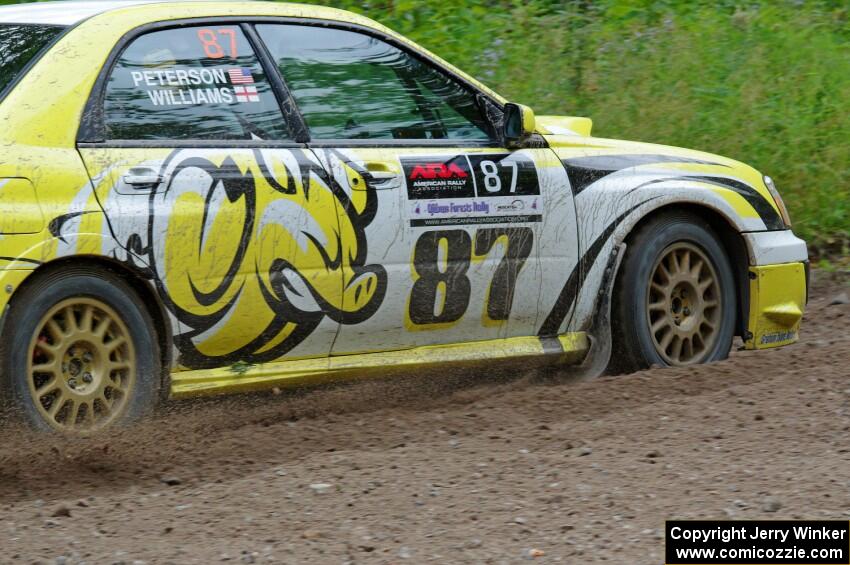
column 767, row 83
column 763, row 81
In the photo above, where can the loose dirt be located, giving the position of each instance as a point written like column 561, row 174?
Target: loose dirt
column 472, row 468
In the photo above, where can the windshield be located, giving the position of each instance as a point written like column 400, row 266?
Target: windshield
column 19, row 44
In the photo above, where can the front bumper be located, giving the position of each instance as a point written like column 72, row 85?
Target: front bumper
column 775, row 247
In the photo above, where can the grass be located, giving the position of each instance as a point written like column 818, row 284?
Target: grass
column 765, row 82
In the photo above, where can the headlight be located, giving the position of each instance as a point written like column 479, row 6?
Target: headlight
column 783, row 211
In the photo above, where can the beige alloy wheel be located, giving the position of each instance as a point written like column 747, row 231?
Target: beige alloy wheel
column 684, row 305
column 82, row 366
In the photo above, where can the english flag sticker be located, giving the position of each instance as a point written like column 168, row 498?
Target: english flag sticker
column 246, row 94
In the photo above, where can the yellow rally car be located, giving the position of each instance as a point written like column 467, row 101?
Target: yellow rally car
column 202, row 197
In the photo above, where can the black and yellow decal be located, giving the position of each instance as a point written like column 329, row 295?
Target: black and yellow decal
column 241, row 260
column 584, row 171
column 768, row 214
column 445, row 279
column 519, row 241
column 441, row 260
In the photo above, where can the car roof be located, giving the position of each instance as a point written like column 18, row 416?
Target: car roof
column 95, row 15
column 71, row 12
column 65, row 12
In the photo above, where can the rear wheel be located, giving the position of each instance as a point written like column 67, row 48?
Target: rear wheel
column 674, row 302
column 80, row 353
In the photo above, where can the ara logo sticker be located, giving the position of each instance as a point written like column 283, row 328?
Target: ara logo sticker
column 483, row 175
column 438, row 177
column 438, row 170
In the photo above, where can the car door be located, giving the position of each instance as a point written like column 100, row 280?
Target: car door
column 474, row 238
column 199, row 175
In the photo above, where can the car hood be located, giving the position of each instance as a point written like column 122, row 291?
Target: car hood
column 569, row 132
column 564, row 125
column 590, row 159
column 570, row 138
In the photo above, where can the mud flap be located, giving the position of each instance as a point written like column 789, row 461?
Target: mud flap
column 599, row 333
column 778, row 296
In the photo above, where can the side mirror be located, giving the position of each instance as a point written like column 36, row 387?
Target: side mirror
column 519, row 124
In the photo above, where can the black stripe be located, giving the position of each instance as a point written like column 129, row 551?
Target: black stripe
column 584, row 171
column 569, row 293
column 768, row 214
column 21, row 259
column 56, row 224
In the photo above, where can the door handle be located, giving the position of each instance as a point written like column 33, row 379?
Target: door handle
column 142, row 178
column 377, row 174
column 384, row 179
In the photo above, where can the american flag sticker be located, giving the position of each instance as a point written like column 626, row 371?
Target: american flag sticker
column 241, row 76
column 246, row 94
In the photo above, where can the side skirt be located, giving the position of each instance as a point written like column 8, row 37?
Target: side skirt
column 567, row 349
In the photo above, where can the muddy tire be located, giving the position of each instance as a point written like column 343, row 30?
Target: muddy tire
column 674, row 302
column 79, row 353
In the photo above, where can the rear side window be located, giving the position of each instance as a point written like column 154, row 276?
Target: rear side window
column 19, row 44
column 193, row 83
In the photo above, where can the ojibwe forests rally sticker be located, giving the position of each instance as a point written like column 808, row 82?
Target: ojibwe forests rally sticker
column 194, row 87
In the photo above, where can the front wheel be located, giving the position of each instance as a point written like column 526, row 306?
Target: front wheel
column 675, row 302
column 80, row 353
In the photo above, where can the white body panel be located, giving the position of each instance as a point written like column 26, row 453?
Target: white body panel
column 493, row 229
column 769, row 248
column 62, row 13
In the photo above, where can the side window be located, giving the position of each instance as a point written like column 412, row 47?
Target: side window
column 191, row 83
column 19, row 44
column 353, row 86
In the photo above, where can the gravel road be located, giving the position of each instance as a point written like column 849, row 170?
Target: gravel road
column 474, row 468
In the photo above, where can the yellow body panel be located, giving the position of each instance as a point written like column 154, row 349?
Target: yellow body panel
column 10, row 280
column 571, row 349
column 551, row 125
column 777, row 301
column 19, row 195
column 703, row 162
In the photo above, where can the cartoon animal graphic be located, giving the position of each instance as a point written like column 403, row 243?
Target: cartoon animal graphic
column 251, row 249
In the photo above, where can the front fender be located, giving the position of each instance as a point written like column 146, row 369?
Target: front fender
column 615, row 184
column 603, row 227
